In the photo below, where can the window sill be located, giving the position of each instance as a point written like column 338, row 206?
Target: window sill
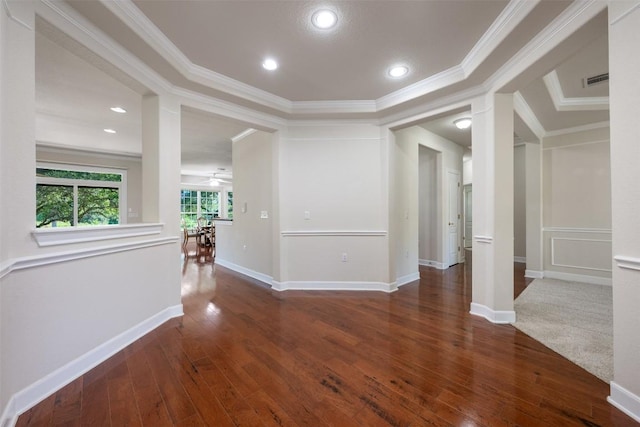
column 70, row 235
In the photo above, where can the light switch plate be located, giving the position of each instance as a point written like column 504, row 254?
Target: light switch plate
column 264, row 214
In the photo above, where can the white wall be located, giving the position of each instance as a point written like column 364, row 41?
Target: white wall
column 449, row 157
column 332, row 196
column 624, row 89
column 405, row 212
column 428, row 205
column 576, row 185
column 519, row 202
column 533, row 190
column 68, row 306
column 247, row 242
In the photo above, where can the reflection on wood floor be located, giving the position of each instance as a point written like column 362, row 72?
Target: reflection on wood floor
column 247, row 356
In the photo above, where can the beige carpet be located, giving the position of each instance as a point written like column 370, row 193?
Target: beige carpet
column 573, row 319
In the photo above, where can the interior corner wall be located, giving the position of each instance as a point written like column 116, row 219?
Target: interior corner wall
column 247, row 242
column 519, row 202
column 576, row 186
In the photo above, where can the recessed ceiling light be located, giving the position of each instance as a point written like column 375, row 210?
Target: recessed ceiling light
column 324, row 19
column 109, row 130
column 118, row 110
column 398, row 71
column 270, row 64
column 463, row 123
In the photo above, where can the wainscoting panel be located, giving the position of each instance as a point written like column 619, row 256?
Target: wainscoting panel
column 578, row 251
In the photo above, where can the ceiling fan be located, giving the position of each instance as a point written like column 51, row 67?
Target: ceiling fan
column 216, row 179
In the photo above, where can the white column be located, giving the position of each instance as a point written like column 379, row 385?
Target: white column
column 17, row 129
column 161, row 162
column 624, row 90
column 492, row 142
column 534, row 210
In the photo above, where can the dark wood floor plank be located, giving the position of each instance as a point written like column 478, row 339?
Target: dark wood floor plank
column 122, row 402
column 246, row 355
column 68, row 404
column 173, row 394
column 94, row 410
column 151, row 405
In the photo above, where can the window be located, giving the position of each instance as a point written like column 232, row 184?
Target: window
column 68, row 196
column 230, row 205
column 195, row 204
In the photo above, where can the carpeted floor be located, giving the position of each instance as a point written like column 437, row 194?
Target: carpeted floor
column 573, row 319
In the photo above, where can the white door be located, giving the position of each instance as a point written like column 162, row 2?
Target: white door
column 468, row 229
column 453, row 216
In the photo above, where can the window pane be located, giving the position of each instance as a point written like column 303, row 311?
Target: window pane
column 98, row 206
column 209, row 204
column 91, row 176
column 189, row 201
column 230, row 205
column 54, row 206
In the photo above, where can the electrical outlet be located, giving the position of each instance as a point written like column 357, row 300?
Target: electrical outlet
column 344, row 257
column 307, row 215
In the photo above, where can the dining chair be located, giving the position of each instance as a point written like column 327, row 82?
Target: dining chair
column 186, row 235
column 205, row 243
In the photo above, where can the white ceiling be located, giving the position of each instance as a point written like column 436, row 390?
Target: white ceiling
column 216, row 48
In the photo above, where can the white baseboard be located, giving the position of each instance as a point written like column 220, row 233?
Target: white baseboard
column 491, row 315
column 430, row 263
column 520, row 259
column 624, row 400
column 534, row 274
column 268, row 280
column 408, row 278
column 583, row 278
column 334, row 286
column 36, row 392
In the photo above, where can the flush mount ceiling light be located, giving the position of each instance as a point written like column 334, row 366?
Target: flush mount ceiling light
column 398, row 71
column 463, row 123
column 270, row 64
column 118, row 110
column 324, row 19
column 109, row 130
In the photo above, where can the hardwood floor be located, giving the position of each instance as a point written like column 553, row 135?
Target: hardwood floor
column 244, row 355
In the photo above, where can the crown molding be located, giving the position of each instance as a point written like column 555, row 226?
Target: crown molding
column 566, row 23
column 320, row 107
column 504, row 24
column 583, row 128
column 217, row 106
column 13, row 14
column 70, row 22
column 132, row 17
column 562, row 103
column 440, row 105
column 52, row 147
column 430, row 84
column 245, row 133
column 525, row 112
column 613, row 20
column 65, row 18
